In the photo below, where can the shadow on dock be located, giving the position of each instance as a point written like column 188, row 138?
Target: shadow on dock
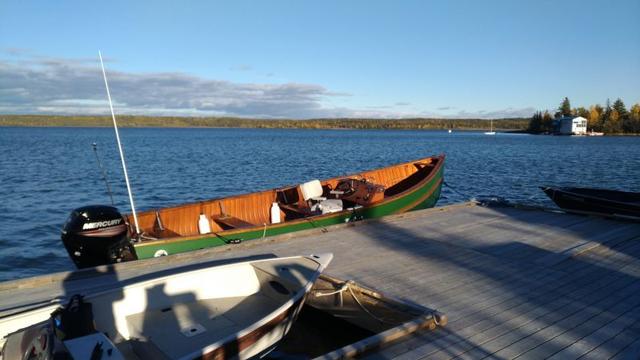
column 507, row 298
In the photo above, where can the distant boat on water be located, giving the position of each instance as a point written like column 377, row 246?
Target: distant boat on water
column 490, row 132
column 594, row 133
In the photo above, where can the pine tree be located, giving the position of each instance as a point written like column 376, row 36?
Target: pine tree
column 618, row 105
column 536, row 123
column 565, row 107
column 547, row 123
column 581, row 112
column 633, row 123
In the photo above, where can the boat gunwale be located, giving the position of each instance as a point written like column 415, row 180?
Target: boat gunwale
column 564, row 190
column 225, row 233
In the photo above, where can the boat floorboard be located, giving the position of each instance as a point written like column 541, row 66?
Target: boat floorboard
column 216, row 317
column 514, row 283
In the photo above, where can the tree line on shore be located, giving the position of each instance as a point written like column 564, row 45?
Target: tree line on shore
column 231, row 122
column 610, row 119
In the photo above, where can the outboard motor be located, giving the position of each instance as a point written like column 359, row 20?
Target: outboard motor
column 97, row 235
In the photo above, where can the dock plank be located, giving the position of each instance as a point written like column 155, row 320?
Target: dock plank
column 521, row 314
column 513, row 282
column 496, row 315
column 611, row 330
column 543, row 337
column 630, row 352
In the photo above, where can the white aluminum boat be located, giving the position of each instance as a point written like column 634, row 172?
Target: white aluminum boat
column 237, row 310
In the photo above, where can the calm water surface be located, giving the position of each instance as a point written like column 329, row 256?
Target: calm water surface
column 47, row 172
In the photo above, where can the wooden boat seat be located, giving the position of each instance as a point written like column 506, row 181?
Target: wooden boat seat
column 163, row 234
column 294, row 212
column 288, row 207
column 231, row 221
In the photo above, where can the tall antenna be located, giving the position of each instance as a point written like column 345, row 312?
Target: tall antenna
column 104, row 174
column 124, row 166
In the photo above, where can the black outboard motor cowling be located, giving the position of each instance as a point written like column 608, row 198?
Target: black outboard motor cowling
column 97, row 235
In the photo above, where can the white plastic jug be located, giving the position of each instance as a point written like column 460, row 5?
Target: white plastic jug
column 275, row 213
column 203, row 224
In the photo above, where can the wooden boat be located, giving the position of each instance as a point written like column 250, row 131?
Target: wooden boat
column 237, row 310
column 603, row 201
column 315, row 204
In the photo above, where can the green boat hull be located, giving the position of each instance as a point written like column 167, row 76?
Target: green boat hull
column 423, row 197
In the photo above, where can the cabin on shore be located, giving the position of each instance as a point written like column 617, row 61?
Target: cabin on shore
column 570, row 125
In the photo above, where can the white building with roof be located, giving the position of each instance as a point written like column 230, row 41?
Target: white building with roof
column 571, row 125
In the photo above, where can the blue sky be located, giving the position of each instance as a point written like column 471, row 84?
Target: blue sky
column 307, row 59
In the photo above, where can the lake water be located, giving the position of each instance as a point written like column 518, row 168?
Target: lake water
column 47, row 172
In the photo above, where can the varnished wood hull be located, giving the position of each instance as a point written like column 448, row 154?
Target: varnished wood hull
column 423, row 193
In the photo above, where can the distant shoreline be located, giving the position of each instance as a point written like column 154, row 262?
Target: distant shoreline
column 512, row 124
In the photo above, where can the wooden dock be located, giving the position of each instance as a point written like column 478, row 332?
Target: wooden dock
column 514, row 283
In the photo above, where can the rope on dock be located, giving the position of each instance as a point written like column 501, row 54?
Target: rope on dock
column 342, row 289
column 313, row 223
column 365, row 309
column 339, row 291
column 347, row 286
column 484, row 200
column 435, row 317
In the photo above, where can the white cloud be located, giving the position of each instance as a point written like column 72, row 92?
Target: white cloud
column 32, row 84
column 74, row 86
column 497, row 114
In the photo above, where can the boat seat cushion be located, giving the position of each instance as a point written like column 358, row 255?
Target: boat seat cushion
column 328, row 206
column 311, row 190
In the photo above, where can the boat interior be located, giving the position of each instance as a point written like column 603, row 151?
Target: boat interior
column 169, row 319
column 175, row 317
column 313, row 198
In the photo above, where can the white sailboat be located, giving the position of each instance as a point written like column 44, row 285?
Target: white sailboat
column 490, row 132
